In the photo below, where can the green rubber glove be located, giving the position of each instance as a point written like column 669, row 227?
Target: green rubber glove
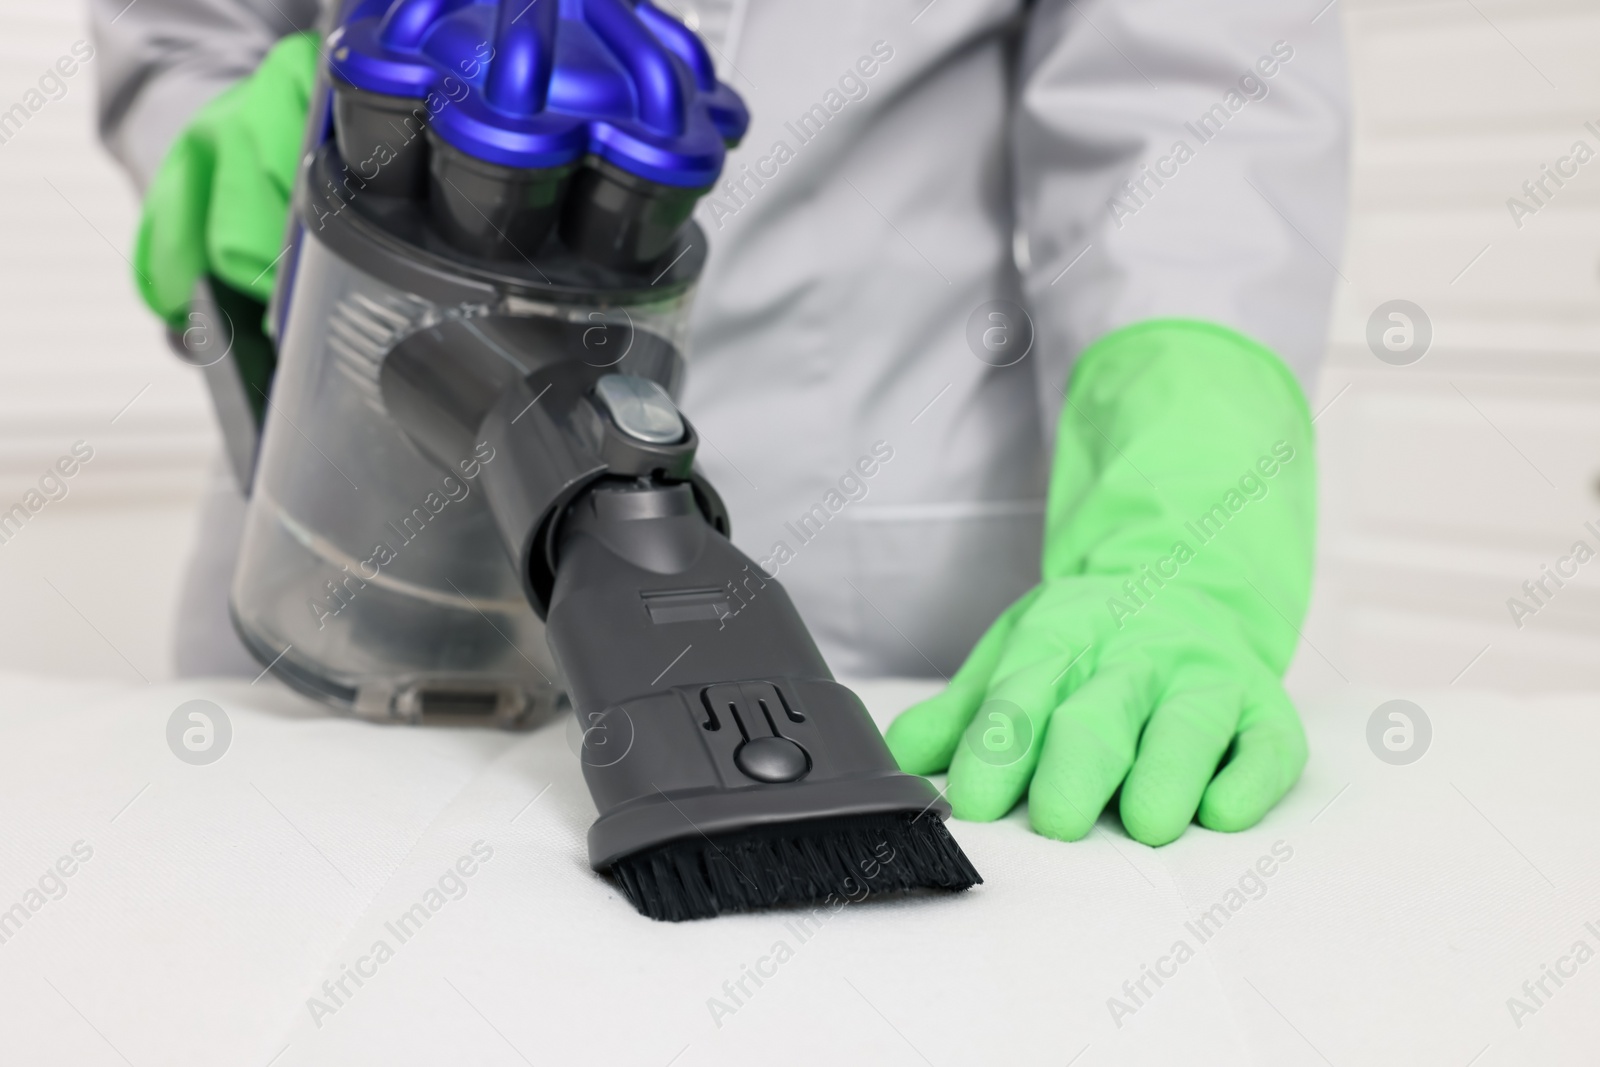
column 1177, row 566
column 218, row 203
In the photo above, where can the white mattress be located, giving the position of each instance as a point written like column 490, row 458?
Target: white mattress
column 1406, row 905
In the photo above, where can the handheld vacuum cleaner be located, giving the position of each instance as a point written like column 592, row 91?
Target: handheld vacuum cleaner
column 472, row 491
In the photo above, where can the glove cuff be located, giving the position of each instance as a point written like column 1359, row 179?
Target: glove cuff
column 1195, row 334
column 1186, row 458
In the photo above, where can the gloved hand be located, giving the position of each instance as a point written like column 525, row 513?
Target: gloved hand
column 218, row 202
column 1177, row 566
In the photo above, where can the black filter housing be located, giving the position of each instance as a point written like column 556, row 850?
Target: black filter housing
column 606, row 215
column 621, row 220
column 490, row 211
column 382, row 139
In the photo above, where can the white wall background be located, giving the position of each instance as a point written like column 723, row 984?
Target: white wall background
column 1447, row 483
column 75, row 348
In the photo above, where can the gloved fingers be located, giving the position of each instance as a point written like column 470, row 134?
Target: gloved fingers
column 278, row 99
column 1268, row 756
column 257, row 159
column 1088, row 749
column 245, row 222
column 925, row 735
column 991, row 767
column 219, row 200
column 993, row 762
column 1046, row 657
column 1182, row 744
column 169, row 252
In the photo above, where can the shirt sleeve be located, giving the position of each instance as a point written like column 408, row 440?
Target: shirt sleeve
column 1180, row 159
column 159, row 61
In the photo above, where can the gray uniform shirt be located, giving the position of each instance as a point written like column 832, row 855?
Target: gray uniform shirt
column 875, row 404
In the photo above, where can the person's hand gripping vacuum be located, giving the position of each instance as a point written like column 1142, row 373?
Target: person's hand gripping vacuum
column 218, row 203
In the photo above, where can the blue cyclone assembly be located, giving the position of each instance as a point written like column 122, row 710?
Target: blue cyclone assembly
column 472, row 495
column 615, row 106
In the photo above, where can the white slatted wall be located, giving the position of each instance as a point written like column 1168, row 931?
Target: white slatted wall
column 75, row 345
column 1450, row 481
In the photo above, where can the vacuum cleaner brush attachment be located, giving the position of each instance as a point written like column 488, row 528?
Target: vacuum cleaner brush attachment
column 730, row 770
column 819, row 861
